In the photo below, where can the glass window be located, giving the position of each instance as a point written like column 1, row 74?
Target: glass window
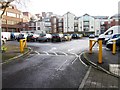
column 11, row 14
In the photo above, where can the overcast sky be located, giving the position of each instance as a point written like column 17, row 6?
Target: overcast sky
column 77, row 7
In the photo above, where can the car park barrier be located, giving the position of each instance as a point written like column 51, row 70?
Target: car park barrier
column 23, row 44
column 114, row 47
column 91, row 45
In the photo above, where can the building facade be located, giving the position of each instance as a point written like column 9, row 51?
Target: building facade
column 12, row 19
column 68, row 23
column 86, row 24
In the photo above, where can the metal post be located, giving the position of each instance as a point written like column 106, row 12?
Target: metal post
column 21, row 46
column 100, row 52
column 114, row 47
column 90, row 45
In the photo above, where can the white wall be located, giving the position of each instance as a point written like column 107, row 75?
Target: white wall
column 68, row 22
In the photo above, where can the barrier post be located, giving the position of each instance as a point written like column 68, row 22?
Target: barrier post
column 21, row 46
column 114, row 47
column 90, row 45
column 100, row 52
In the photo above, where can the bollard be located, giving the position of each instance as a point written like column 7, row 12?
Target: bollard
column 21, row 45
column 90, row 45
column 100, row 52
column 114, row 47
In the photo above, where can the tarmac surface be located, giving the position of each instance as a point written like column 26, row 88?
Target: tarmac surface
column 105, row 75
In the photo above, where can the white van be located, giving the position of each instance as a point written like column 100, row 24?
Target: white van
column 110, row 32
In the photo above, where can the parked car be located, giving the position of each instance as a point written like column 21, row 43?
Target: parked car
column 57, row 37
column 44, row 37
column 109, row 44
column 32, row 37
column 20, row 36
column 76, row 36
column 67, row 37
column 113, row 36
column 91, row 36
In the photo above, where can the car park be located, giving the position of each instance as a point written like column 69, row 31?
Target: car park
column 44, row 37
column 32, row 37
column 57, row 37
column 110, row 42
column 67, row 37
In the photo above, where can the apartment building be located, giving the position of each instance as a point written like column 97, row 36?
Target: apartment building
column 86, row 24
column 11, row 20
column 68, row 22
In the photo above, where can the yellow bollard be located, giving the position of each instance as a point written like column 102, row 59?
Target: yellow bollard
column 100, row 52
column 114, row 47
column 21, row 46
column 90, row 45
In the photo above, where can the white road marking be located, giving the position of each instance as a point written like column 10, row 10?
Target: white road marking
column 70, row 50
column 74, row 60
column 85, row 78
column 81, row 60
column 55, row 53
column 37, row 52
column 64, row 53
column 74, row 54
column 61, row 65
column 46, row 52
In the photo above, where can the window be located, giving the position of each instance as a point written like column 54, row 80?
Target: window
column 109, row 32
column 38, row 28
column 11, row 14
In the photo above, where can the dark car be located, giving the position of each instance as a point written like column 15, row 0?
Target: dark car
column 109, row 44
column 57, row 37
column 76, row 36
column 20, row 36
column 32, row 37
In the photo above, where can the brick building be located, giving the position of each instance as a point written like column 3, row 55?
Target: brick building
column 11, row 20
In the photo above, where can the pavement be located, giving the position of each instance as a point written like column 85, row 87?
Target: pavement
column 13, row 52
column 105, row 75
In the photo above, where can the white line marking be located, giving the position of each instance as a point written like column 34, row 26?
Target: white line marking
column 61, row 65
column 37, row 52
column 46, row 52
column 74, row 54
column 74, row 60
column 81, row 60
column 64, row 53
column 55, row 53
column 85, row 78
column 70, row 50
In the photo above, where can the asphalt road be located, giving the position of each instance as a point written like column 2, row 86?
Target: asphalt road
column 50, row 65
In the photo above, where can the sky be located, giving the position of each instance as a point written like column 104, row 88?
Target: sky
column 77, row 7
